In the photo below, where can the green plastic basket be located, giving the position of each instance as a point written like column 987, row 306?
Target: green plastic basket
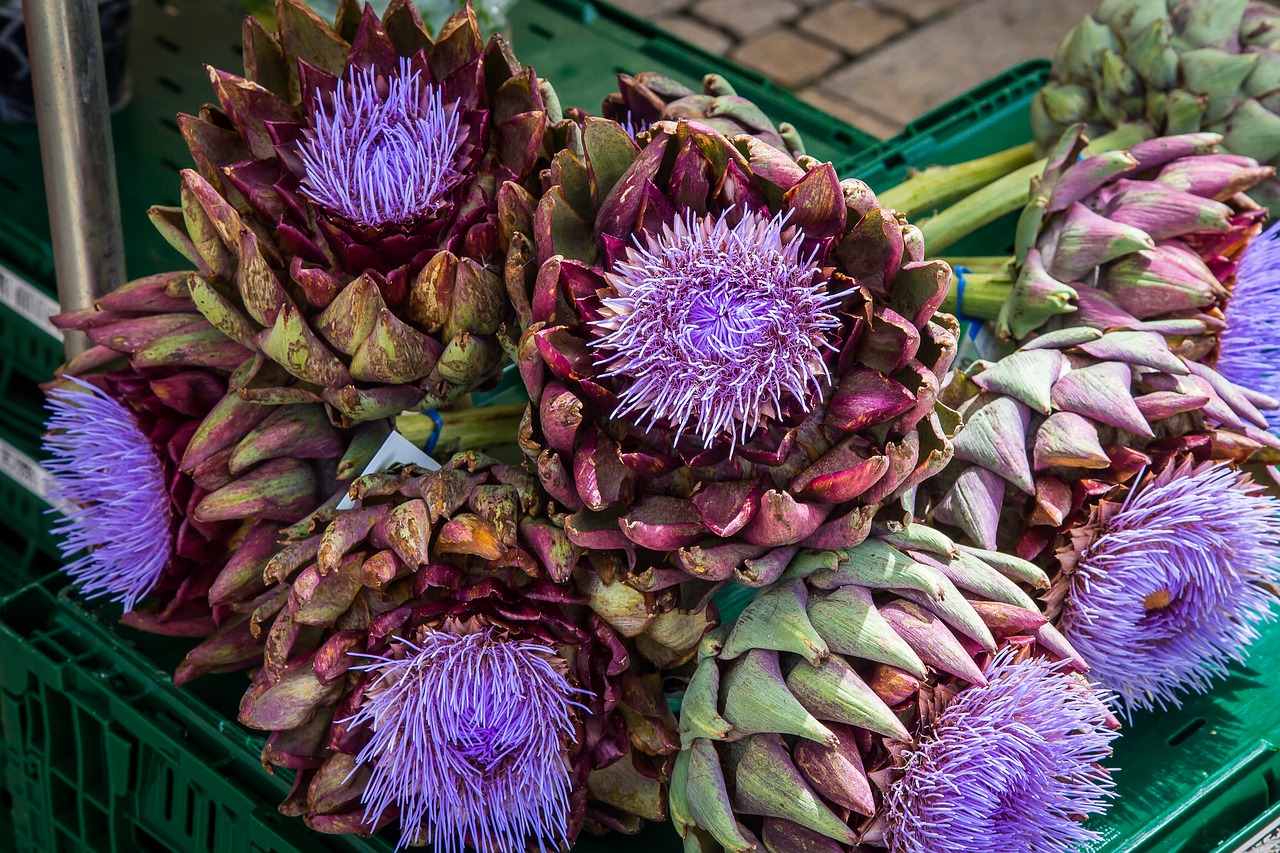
column 578, row 46
column 27, row 549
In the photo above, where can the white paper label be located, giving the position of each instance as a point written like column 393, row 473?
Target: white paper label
column 396, row 450
column 24, row 471
column 33, row 304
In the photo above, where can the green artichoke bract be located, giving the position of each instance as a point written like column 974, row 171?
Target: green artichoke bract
column 729, row 355
column 1177, row 66
column 342, row 211
column 650, row 97
column 433, row 659
column 796, row 723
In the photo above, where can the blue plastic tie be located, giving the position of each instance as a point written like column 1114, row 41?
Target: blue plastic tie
column 435, row 433
column 961, row 272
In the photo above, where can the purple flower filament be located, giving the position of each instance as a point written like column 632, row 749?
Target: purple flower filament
column 1249, row 347
column 383, row 152
column 469, row 740
column 1006, row 768
column 717, row 327
column 118, row 506
column 1170, row 591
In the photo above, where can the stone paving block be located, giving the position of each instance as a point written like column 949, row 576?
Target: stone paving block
column 788, row 58
column 938, row 61
column 746, row 18
column 696, row 32
column 859, row 117
column 851, row 26
column 651, row 9
column 920, row 10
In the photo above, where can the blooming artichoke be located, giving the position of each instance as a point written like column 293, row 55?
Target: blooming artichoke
column 812, row 721
column 1050, row 465
column 432, row 661
column 650, row 97
column 343, row 206
column 728, row 355
column 1176, row 66
column 1143, row 238
column 1249, row 346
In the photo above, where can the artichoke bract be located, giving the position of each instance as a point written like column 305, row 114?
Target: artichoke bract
column 729, row 355
column 650, row 97
column 1148, row 237
column 433, row 662
column 799, row 724
column 343, row 206
column 1115, row 465
column 1177, row 66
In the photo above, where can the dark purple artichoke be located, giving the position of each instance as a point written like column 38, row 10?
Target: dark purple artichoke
column 729, row 355
column 540, row 718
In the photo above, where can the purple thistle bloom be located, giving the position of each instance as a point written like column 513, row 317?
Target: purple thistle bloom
column 715, row 325
column 1172, row 584
column 113, row 483
column 1006, row 767
column 385, row 150
column 1249, row 347
column 469, row 740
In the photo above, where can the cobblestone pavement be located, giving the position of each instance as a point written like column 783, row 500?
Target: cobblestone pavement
column 877, row 64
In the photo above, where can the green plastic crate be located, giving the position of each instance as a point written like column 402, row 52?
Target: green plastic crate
column 27, row 549
column 102, row 753
column 578, row 46
column 989, row 118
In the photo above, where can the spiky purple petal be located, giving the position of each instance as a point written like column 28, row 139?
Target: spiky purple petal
column 1006, row 767
column 715, row 326
column 118, row 509
column 1170, row 590
column 469, row 742
column 1249, row 347
column 382, row 150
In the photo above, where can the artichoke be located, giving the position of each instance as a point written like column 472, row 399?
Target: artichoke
column 728, row 355
column 343, row 207
column 802, row 717
column 650, row 97
column 1144, row 238
column 1115, row 465
column 1175, row 66
column 537, row 717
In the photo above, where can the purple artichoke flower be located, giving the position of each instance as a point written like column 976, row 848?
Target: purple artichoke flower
column 1249, row 347
column 1009, row 766
column 119, row 511
column 384, row 151
column 468, row 741
column 715, row 323
column 1161, row 591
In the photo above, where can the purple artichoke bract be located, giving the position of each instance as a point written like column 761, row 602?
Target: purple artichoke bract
column 801, row 716
column 343, row 206
column 1144, row 238
column 1006, row 766
column 434, row 661
column 1165, row 582
column 1249, row 347
column 729, row 354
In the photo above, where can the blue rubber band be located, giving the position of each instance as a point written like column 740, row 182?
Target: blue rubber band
column 961, row 272
column 435, row 433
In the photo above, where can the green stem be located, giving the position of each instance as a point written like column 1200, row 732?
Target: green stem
column 976, row 263
column 984, row 293
column 1006, row 195
column 464, row 429
column 938, row 186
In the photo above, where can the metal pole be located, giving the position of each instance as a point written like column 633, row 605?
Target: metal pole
column 65, row 46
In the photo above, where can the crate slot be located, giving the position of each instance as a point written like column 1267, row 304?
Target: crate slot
column 1187, row 731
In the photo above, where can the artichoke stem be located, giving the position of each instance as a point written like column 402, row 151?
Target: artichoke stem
column 465, row 429
column 1007, row 194
column 938, row 186
column 984, row 293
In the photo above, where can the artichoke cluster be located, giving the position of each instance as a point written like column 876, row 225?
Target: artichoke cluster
column 1175, row 66
column 740, row 386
